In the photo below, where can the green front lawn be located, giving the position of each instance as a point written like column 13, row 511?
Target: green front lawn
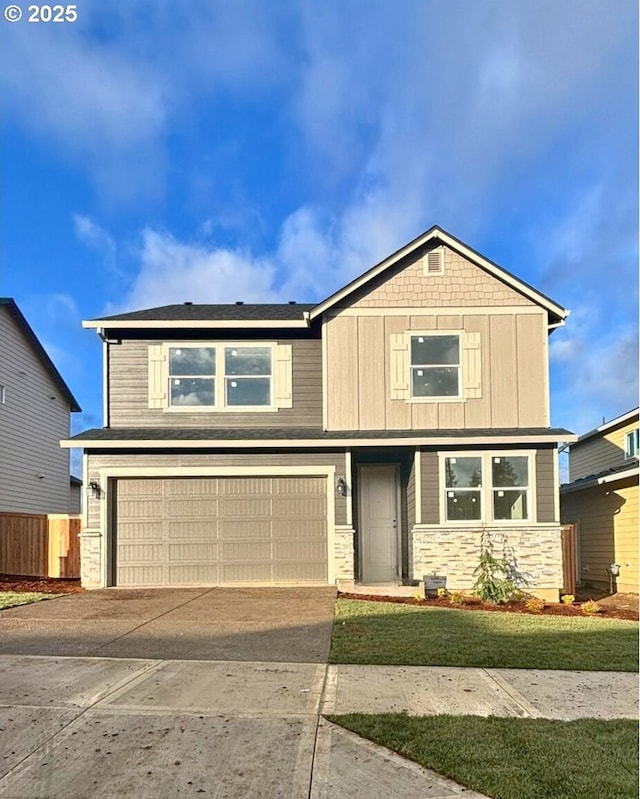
column 397, row 634
column 509, row 758
column 9, row 599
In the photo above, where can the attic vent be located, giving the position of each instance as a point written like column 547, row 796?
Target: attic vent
column 433, row 262
column 239, row 302
column 292, row 302
column 188, row 303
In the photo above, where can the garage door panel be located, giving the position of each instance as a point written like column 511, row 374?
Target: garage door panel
column 245, row 529
column 192, row 487
column 217, row 530
column 296, row 572
column 194, row 508
column 244, row 507
column 207, row 530
column 302, row 507
column 246, row 573
column 247, row 551
column 245, row 486
column 140, row 531
column 193, row 574
column 142, row 508
column 193, row 552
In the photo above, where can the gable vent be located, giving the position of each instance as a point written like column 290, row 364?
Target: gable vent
column 433, row 262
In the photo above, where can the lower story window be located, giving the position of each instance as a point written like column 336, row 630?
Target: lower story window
column 463, row 480
column 487, row 487
column 510, row 486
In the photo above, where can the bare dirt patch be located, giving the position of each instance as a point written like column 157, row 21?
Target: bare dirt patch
column 44, row 585
column 473, row 603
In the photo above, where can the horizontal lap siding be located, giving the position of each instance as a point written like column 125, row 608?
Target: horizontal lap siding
column 607, row 518
column 545, row 485
column 34, row 469
column 222, row 460
column 596, row 454
column 128, row 392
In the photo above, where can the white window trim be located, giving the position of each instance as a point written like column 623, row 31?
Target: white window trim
column 486, row 490
column 219, row 378
column 631, row 435
column 459, row 397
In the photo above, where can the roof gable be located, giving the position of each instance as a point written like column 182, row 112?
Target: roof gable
column 16, row 314
column 509, row 288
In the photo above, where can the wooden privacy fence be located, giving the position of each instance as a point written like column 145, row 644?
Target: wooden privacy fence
column 39, row 545
column 568, row 540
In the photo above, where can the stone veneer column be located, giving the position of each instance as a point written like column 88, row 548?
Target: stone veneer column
column 90, row 559
column 343, row 553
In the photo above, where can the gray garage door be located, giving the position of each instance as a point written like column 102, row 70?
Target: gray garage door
column 220, row 530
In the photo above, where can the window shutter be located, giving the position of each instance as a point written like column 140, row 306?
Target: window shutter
column 157, row 383
column 399, row 366
column 283, row 376
column 471, row 365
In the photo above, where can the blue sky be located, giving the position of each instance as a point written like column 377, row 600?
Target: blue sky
column 265, row 151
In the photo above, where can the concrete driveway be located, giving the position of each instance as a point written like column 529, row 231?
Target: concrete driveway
column 183, row 693
column 290, row 625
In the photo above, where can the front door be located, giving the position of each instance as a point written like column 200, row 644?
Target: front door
column 378, row 523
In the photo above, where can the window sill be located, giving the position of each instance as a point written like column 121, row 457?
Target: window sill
column 212, row 409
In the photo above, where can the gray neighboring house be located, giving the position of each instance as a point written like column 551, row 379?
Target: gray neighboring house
column 35, row 408
column 371, row 437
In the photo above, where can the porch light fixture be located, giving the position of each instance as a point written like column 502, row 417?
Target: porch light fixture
column 341, row 487
column 94, row 487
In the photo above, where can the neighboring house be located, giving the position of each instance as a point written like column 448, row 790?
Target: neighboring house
column 35, row 408
column 370, row 437
column 75, row 495
column 601, row 499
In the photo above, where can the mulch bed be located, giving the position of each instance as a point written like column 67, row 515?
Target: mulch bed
column 43, row 585
column 473, row 603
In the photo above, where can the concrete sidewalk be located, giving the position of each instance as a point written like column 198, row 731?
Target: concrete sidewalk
column 113, row 727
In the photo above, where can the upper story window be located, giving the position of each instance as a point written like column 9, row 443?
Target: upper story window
column 220, row 376
column 487, row 487
column 247, row 375
column 192, row 376
column 632, row 444
column 435, row 365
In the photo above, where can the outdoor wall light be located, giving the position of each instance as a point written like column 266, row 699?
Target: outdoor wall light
column 341, row 487
column 614, row 569
column 94, row 487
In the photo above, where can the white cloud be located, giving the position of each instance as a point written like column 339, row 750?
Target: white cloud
column 97, row 239
column 172, row 272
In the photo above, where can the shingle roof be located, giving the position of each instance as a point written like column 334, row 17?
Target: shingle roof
column 267, row 312
column 283, row 435
column 11, row 306
column 605, row 476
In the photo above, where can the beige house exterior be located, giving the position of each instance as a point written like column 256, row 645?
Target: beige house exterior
column 35, row 409
column 369, row 438
column 601, row 499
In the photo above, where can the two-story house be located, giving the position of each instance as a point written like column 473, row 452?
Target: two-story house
column 601, row 499
column 370, row 437
column 35, row 410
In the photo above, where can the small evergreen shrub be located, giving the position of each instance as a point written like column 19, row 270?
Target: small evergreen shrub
column 568, row 599
column 534, row 605
column 492, row 583
column 590, row 607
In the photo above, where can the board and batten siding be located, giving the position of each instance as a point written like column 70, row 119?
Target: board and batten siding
column 98, row 461
column 594, row 455
column 513, row 372
column 129, row 392
column 34, row 469
column 607, row 519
